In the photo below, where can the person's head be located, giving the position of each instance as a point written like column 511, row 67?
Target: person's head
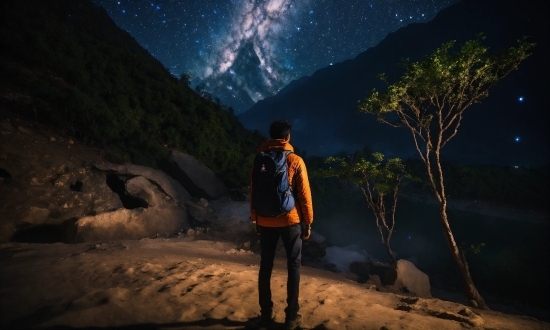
column 280, row 129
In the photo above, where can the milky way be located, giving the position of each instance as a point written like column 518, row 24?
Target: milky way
column 245, row 50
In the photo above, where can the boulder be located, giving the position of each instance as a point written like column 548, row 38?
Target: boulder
column 198, row 179
column 36, row 216
column 404, row 276
column 163, row 181
column 80, row 192
column 141, row 188
column 47, row 187
column 377, row 267
column 314, row 249
column 374, row 281
column 132, row 224
column 55, row 195
column 200, row 213
column 361, row 269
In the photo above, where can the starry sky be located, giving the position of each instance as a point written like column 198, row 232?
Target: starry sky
column 243, row 51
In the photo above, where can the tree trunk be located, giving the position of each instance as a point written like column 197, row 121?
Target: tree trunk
column 476, row 300
column 390, row 252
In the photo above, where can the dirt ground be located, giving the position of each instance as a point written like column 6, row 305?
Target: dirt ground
column 186, row 283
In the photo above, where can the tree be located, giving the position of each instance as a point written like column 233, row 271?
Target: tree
column 185, row 78
column 430, row 100
column 376, row 180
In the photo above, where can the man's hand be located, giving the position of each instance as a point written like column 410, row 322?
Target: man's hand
column 256, row 227
column 306, row 232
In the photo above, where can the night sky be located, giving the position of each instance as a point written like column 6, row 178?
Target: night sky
column 245, row 50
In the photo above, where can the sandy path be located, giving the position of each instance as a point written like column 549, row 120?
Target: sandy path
column 180, row 283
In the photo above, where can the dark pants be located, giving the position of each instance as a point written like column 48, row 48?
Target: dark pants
column 293, row 245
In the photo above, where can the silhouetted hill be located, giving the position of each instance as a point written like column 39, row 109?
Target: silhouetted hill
column 66, row 63
column 323, row 108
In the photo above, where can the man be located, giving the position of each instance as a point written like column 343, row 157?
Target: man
column 287, row 226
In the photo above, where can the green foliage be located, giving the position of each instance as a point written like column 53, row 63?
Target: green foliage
column 432, row 95
column 87, row 77
column 473, row 248
column 430, row 100
column 445, row 81
column 384, row 176
column 376, row 179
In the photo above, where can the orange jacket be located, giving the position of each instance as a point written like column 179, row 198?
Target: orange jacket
column 297, row 175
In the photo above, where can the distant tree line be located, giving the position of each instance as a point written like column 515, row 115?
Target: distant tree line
column 65, row 63
column 522, row 187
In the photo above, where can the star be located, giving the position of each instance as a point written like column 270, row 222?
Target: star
column 209, row 36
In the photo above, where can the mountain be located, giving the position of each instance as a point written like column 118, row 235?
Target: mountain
column 229, row 87
column 242, row 82
column 323, row 107
column 66, row 64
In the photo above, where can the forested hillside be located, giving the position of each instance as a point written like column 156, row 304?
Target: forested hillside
column 65, row 63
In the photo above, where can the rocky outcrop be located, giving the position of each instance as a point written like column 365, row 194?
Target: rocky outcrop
column 52, row 191
column 403, row 275
column 162, row 180
column 131, row 224
column 77, row 193
column 198, row 179
column 51, row 196
column 139, row 209
column 142, row 189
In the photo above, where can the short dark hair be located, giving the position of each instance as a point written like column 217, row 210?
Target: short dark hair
column 279, row 129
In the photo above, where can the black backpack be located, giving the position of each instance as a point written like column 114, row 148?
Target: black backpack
column 271, row 191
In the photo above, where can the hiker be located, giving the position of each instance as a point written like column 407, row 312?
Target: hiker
column 291, row 225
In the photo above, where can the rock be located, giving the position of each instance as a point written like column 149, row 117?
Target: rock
column 374, row 280
column 203, row 202
column 405, row 276
column 361, row 269
column 35, row 216
column 6, row 127
column 132, row 224
column 464, row 316
column 316, row 237
column 314, row 249
column 165, row 183
column 199, row 213
column 141, row 188
column 23, row 130
column 378, row 268
column 198, row 179
column 79, row 193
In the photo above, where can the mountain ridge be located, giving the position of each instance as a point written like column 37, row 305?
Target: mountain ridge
column 325, row 108
column 67, row 64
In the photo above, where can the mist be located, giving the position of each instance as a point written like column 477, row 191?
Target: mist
column 516, row 244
